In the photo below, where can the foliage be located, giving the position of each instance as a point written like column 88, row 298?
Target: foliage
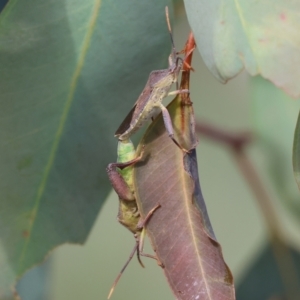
column 70, row 70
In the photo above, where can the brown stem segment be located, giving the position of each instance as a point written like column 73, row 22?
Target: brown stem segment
column 282, row 254
column 188, row 49
column 187, row 113
column 185, row 78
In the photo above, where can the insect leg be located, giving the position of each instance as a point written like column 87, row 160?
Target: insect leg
column 169, row 126
column 178, row 92
column 135, row 248
column 140, row 249
column 140, row 236
column 141, row 239
column 117, row 181
column 143, row 222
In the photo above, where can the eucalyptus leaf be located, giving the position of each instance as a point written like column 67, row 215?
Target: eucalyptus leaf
column 260, row 36
column 263, row 279
column 275, row 116
column 296, row 152
column 70, row 70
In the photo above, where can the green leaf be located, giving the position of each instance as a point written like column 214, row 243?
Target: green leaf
column 296, row 152
column 275, row 116
column 264, row 278
column 261, row 36
column 69, row 71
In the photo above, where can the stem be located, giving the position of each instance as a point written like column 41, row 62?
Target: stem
column 185, row 78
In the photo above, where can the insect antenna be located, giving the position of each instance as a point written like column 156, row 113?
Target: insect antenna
column 174, row 53
column 170, row 31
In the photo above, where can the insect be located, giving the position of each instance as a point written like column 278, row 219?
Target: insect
column 121, row 177
column 149, row 103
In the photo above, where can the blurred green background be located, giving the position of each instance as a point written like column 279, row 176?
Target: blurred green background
column 87, row 272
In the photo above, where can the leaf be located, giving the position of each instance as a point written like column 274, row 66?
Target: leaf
column 263, row 279
column 179, row 230
column 296, row 152
column 260, row 36
column 2, row 4
column 275, row 116
column 69, row 70
column 35, row 284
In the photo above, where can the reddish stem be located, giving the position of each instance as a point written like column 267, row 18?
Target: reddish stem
column 185, row 78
